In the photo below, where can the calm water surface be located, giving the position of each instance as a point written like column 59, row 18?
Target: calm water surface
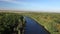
column 32, row 27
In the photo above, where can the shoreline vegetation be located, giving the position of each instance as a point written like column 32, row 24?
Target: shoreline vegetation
column 11, row 23
column 51, row 21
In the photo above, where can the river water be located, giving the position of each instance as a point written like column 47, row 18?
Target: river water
column 32, row 27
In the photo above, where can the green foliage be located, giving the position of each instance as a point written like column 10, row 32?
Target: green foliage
column 8, row 21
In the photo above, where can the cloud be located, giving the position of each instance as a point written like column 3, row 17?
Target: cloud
column 7, row 0
column 19, row 2
column 14, row 1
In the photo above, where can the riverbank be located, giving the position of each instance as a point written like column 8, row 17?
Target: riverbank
column 49, row 20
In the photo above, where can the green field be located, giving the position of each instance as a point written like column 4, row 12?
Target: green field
column 51, row 21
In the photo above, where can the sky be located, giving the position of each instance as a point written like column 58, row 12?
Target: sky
column 32, row 5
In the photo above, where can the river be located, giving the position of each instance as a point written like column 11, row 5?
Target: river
column 32, row 27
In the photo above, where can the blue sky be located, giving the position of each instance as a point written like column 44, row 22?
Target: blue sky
column 40, row 5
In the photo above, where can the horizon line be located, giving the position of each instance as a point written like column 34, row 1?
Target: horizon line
column 31, row 11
